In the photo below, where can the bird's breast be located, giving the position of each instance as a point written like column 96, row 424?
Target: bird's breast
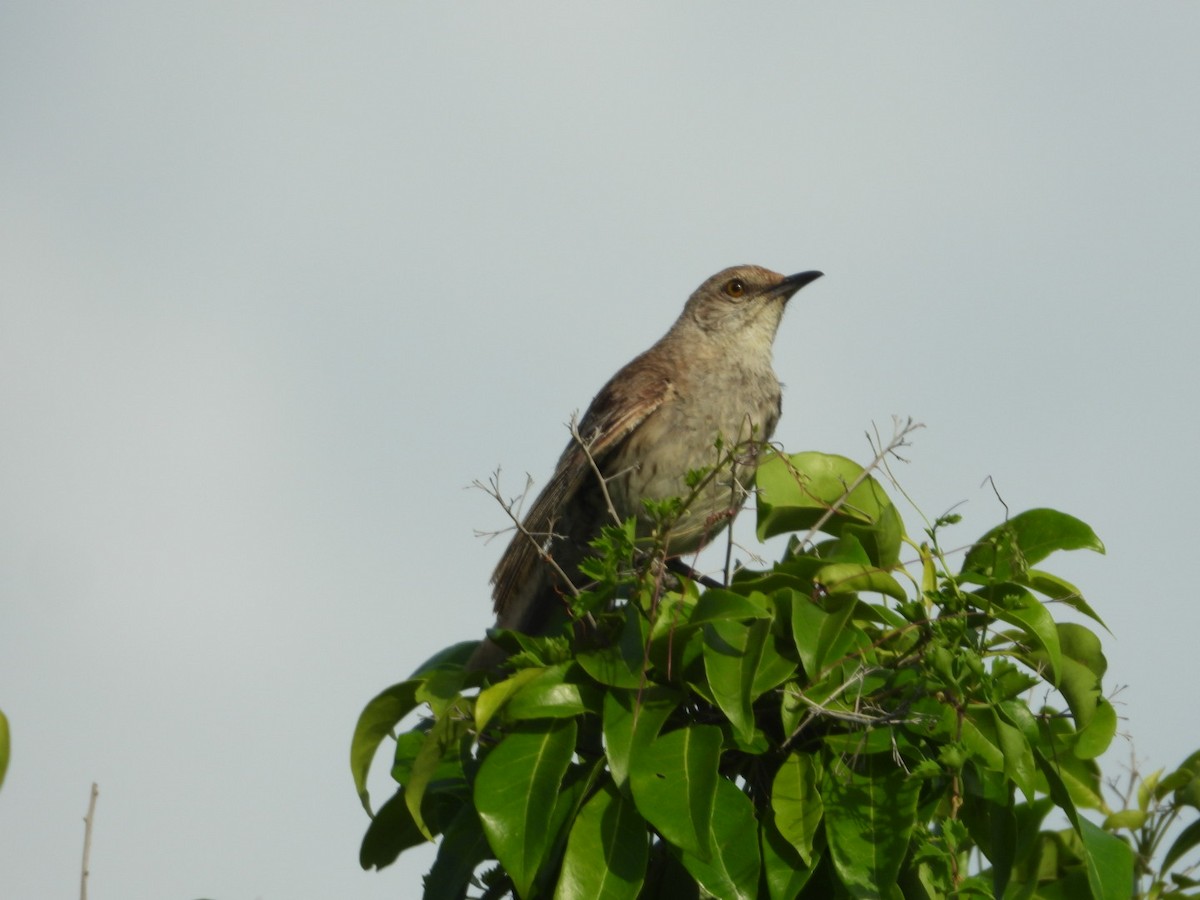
column 681, row 436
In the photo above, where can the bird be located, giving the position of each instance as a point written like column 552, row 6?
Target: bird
column 709, row 378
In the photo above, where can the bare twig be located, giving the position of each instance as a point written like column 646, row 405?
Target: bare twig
column 540, row 542
column 87, row 842
column 995, row 490
column 600, row 479
column 856, row 716
column 899, row 439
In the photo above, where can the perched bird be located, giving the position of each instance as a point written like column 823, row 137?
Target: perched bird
column 658, row 418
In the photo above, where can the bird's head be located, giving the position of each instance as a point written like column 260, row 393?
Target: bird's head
column 743, row 304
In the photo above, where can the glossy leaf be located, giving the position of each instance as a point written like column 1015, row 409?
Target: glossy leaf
column 1015, row 605
column 820, row 632
column 733, row 654
column 731, row 871
column 606, row 851
column 796, row 802
column 1096, row 737
column 553, row 694
column 493, row 698
column 719, row 604
column 623, row 664
column 515, row 792
column 392, row 830
column 786, row 873
column 673, row 780
column 1018, row 755
column 1083, row 667
column 376, row 722
column 1187, row 839
column 1108, row 859
column 846, row 578
column 1063, row 591
column 1109, row 862
column 441, row 747
column 980, row 738
column 1007, row 551
column 796, row 492
column 632, row 719
column 869, row 813
column 463, row 848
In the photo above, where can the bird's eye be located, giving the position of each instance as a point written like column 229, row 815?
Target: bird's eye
column 735, row 287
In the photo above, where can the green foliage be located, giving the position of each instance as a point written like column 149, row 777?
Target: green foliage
column 836, row 725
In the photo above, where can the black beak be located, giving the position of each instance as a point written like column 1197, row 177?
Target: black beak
column 793, row 283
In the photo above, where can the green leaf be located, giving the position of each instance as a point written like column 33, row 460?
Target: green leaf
column 515, row 791
column 623, row 664
column 982, row 746
column 796, row 492
column 1007, row 551
column 463, row 848
column 1107, row 858
column 1133, row 819
column 393, row 829
column 869, row 814
column 551, row 694
column 733, row 653
column 1184, row 781
column 1013, row 604
column 1095, row 738
column 1018, row 756
column 993, row 827
column 847, row 578
column 673, row 780
column 577, row 786
column 797, row 804
column 1188, row 838
column 492, row 699
column 440, row 749
column 821, row 635
column 1083, row 667
column 391, row 832
column 1109, row 862
column 1061, row 590
column 606, row 852
column 731, row 871
column 718, row 604
column 375, row 723
column 786, row 873
column 453, row 657
column 633, row 719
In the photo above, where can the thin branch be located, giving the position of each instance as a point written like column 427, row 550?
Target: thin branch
column 856, row 716
column 87, row 842
column 995, row 490
column 600, row 479
column 899, row 439
column 540, row 542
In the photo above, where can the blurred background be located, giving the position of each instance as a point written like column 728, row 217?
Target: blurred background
column 279, row 281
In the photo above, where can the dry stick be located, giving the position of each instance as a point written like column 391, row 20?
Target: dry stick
column 600, row 479
column 898, row 440
column 492, row 488
column 87, row 841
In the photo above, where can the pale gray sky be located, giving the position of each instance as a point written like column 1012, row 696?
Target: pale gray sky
column 277, row 280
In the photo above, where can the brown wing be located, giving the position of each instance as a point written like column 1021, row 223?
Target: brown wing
column 633, row 394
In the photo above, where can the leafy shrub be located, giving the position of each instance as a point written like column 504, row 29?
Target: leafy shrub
column 836, row 725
